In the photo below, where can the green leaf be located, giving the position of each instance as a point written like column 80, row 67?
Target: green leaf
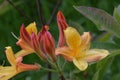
column 105, row 45
column 103, row 65
column 117, row 13
column 102, row 19
column 105, row 37
column 116, row 40
column 116, row 77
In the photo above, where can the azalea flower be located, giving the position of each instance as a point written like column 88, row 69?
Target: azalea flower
column 16, row 67
column 28, row 41
column 42, row 43
column 78, row 49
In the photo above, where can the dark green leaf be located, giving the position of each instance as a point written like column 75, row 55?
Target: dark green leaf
column 117, row 41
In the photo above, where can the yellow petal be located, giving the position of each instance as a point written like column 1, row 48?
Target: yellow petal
column 80, row 64
column 66, row 52
column 7, row 72
column 95, row 55
column 31, row 28
column 72, row 38
column 10, row 56
column 22, row 53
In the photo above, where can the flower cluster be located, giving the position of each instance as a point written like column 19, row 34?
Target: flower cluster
column 71, row 45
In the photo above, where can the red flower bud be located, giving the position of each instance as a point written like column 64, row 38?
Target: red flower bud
column 48, row 43
column 37, row 47
column 62, row 25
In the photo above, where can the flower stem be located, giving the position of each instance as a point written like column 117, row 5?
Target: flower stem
column 62, row 77
column 49, row 76
column 60, row 72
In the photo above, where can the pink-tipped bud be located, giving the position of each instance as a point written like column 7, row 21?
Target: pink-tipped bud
column 37, row 47
column 48, row 43
column 62, row 25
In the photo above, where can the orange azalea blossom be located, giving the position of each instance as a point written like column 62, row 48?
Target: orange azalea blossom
column 29, row 41
column 43, row 42
column 16, row 67
column 78, row 49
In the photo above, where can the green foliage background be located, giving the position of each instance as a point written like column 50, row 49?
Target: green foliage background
column 11, row 20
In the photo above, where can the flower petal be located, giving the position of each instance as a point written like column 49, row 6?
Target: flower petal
column 85, row 41
column 95, row 55
column 7, row 72
column 72, row 38
column 31, row 28
column 66, row 52
column 22, row 53
column 27, row 67
column 24, row 45
column 24, row 34
column 80, row 64
column 10, row 56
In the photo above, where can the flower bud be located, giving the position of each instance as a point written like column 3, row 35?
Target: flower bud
column 62, row 25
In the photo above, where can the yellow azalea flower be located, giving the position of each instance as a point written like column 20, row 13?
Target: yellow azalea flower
column 78, row 49
column 16, row 67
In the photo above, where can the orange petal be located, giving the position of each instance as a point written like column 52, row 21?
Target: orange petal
column 27, row 67
column 73, row 38
column 94, row 55
column 66, row 52
column 24, row 45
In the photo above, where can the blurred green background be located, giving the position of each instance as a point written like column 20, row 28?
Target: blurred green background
column 11, row 19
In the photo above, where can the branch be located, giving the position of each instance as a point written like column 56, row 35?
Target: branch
column 19, row 10
column 54, row 11
column 41, row 17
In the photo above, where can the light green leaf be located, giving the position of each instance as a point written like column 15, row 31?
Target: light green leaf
column 117, row 13
column 102, row 19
